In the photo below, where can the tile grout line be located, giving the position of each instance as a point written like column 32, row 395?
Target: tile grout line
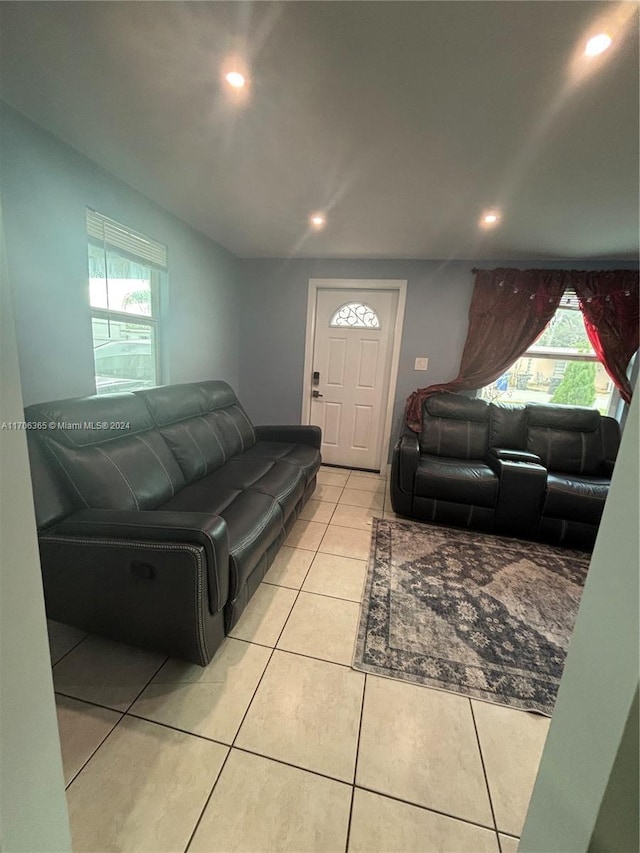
column 244, row 716
column 270, row 758
column 141, row 691
column 68, row 652
column 124, row 714
column 73, row 648
column 347, row 486
column 229, row 749
column 355, row 766
column 486, row 777
column 310, row 592
column 207, row 801
column 178, row 729
column 93, row 704
column 364, row 693
column 289, row 764
column 267, row 757
column 332, row 523
column 335, row 504
column 297, row 654
column 127, row 712
column 354, row 786
column 330, row 553
column 427, row 808
column 108, row 734
column 298, row 592
column 293, row 766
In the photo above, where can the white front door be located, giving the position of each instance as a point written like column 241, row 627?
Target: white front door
column 351, row 365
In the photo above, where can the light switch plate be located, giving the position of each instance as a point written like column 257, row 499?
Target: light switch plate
column 421, row 364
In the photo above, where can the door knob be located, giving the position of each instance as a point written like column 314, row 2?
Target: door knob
column 317, row 393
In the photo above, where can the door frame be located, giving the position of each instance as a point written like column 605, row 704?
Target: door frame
column 316, row 284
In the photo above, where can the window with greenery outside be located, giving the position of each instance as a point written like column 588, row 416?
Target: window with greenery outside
column 561, row 367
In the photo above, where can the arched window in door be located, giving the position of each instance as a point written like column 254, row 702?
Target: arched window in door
column 355, row 315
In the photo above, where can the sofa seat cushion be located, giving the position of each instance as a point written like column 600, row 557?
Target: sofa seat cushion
column 305, row 457
column 203, row 496
column 254, row 521
column 467, row 481
column 575, row 498
column 283, row 482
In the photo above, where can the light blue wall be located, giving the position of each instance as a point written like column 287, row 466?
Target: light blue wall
column 435, row 324
column 274, row 319
column 46, row 186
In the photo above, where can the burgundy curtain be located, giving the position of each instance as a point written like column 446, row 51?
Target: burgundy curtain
column 610, row 306
column 509, row 310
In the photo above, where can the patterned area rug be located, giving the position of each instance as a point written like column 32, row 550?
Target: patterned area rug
column 485, row 616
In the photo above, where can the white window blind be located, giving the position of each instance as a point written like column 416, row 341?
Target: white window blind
column 114, row 235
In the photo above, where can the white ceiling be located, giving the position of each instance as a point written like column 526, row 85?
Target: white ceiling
column 402, row 120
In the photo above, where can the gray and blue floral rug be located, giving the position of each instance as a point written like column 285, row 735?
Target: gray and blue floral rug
column 481, row 615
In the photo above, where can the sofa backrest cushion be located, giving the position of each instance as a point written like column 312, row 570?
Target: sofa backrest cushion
column 610, row 431
column 507, row 426
column 567, row 438
column 455, row 426
column 51, row 494
column 202, row 422
column 107, row 452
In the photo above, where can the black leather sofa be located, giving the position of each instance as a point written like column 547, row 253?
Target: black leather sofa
column 535, row 471
column 160, row 511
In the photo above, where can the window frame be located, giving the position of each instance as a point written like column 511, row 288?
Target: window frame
column 551, row 353
column 151, row 321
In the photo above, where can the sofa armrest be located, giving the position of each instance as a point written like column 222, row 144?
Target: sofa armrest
column 193, row 528
column 507, row 454
column 406, row 455
column 294, row 433
column 404, row 465
column 521, row 488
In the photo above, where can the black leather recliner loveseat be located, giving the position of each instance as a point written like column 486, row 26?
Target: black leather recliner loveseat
column 535, row 471
column 160, row 511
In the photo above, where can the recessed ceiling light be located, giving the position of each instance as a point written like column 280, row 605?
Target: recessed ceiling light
column 317, row 220
column 235, row 79
column 597, row 44
column 490, row 218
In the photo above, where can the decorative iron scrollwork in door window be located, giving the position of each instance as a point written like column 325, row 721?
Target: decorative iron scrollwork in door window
column 355, row 315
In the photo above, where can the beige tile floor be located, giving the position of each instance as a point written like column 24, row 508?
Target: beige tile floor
column 278, row 745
